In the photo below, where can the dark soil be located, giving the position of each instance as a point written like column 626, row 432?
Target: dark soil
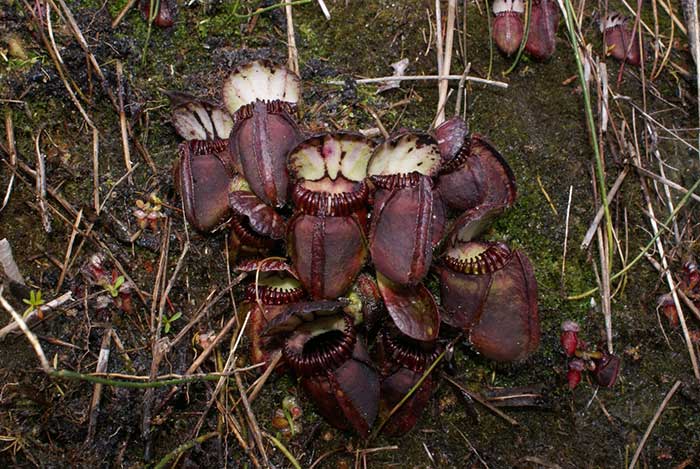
column 538, row 124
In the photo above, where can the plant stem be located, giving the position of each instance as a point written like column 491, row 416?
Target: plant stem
column 182, row 448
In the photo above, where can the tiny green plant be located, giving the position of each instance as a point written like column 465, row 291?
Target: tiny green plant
column 167, row 321
column 34, row 302
column 113, row 288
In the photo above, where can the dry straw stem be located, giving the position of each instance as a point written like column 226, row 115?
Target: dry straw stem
column 293, row 53
column 252, row 422
column 324, row 9
column 55, row 303
column 40, row 184
column 481, row 401
column 102, row 363
column 603, row 251
column 446, row 62
column 69, row 249
column 664, row 261
column 566, row 234
column 601, row 210
column 690, row 11
column 123, row 13
column 655, row 419
column 122, row 121
column 12, row 155
column 439, row 38
column 368, row 81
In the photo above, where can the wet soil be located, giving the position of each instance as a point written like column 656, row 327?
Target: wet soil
column 538, row 123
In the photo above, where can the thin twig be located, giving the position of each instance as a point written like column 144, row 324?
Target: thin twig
column 41, row 184
column 665, row 181
column 324, row 9
column 481, row 401
column 102, row 364
column 122, row 121
column 601, row 210
column 69, row 249
column 116, row 184
column 11, row 148
column 260, row 382
column 446, row 61
column 123, row 13
column 368, row 81
column 292, row 52
column 655, row 419
column 439, row 43
column 566, row 234
column 410, row 392
column 96, row 169
column 253, row 423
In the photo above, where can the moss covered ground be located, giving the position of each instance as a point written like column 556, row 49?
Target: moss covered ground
column 538, row 123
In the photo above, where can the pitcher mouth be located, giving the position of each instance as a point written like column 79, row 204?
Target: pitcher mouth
column 412, row 354
column 320, row 347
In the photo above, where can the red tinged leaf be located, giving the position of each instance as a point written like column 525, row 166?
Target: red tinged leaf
column 473, row 223
column 544, row 21
column 508, row 25
column 573, row 375
column 491, row 294
column 261, row 348
column 261, row 217
column 607, row 369
column 202, row 179
column 327, row 253
column 412, row 309
column 509, row 329
column 451, row 136
column 262, row 137
column 569, row 337
column 439, row 219
column 478, row 175
column 401, row 234
column 335, row 370
column 403, row 363
column 619, row 40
